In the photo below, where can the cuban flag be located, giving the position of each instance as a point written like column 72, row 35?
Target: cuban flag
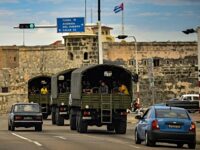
column 119, row 8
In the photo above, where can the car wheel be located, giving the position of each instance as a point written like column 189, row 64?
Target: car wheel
column 148, row 142
column 192, row 145
column 180, row 145
column 137, row 138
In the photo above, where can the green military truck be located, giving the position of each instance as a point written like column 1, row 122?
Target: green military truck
column 60, row 90
column 94, row 108
column 34, row 95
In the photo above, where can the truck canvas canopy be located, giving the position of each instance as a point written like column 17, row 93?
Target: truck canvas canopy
column 94, row 74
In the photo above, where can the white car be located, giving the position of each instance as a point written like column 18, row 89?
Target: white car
column 189, row 97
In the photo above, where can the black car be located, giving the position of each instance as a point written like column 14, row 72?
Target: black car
column 25, row 115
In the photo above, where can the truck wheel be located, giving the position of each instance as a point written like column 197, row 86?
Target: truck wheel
column 120, row 126
column 59, row 119
column 192, row 145
column 82, row 125
column 45, row 116
column 72, row 119
column 110, row 127
column 38, row 127
column 53, row 115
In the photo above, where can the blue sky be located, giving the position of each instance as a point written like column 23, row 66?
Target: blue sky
column 147, row 20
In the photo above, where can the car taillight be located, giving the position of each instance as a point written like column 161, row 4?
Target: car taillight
column 155, row 125
column 18, row 118
column 86, row 113
column 192, row 127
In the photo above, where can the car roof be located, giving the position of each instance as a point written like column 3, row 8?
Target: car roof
column 191, row 95
column 168, row 107
column 25, row 103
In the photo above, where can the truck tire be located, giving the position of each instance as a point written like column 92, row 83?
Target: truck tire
column 120, row 126
column 110, row 127
column 72, row 119
column 38, row 127
column 53, row 115
column 82, row 124
column 59, row 119
column 45, row 116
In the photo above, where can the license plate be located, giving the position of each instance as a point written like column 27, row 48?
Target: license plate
column 27, row 118
column 174, row 126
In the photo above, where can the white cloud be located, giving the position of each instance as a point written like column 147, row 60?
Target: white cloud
column 149, row 35
column 165, row 2
column 4, row 12
column 50, row 1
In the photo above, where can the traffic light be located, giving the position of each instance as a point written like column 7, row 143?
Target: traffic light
column 122, row 36
column 27, row 26
column 188, row 31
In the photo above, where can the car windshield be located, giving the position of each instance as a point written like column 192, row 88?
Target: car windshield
column 195, row 98
column 171, row 113
column 26, row 108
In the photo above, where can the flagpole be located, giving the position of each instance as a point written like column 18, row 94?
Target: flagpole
column 123, row 20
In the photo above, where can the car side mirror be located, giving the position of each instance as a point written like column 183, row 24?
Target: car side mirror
column 138, row 117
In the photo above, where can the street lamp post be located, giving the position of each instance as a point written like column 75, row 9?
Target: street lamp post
column 136, row 63
column 137, row 69
column 188, row 31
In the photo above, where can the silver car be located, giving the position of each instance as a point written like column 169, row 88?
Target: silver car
column 25, row 115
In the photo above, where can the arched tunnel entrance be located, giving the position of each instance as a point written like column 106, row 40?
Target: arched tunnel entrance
column 34, row 95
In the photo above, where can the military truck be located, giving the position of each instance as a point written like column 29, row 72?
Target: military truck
column 60, row 90
column 34, row 95
column 94, row 108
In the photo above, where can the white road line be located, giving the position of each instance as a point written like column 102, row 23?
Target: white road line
column 134, row 146
column 60, row 137
column 29, row 140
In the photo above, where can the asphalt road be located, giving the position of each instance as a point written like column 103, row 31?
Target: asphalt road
column 62, row 138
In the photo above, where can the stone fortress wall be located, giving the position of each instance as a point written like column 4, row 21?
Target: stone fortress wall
column 166, row 69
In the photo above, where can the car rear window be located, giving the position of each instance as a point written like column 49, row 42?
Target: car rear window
column 171, row 113
column 195, row 98
column 26, row 108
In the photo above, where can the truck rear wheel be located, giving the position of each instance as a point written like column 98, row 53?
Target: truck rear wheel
column 45, row 116
column 72, row 119
column 53, row 115
column 110, row 127
column 59, row 118
column 81, row 124
column 120, row 126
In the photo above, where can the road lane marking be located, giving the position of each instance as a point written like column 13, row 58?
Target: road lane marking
column 134, row 146
column 29, row 140
column 60, row 137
